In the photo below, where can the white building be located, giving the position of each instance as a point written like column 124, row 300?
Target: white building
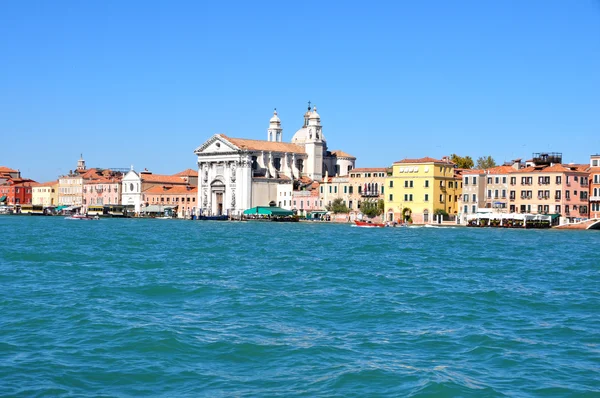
column 134, row 185
column 235, row 174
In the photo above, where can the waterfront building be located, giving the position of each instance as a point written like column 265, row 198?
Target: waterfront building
column 284, row 196
column 366, row 184
column 178, row 197
column 473, row 193
column 14, row 189
column 45, row 194
column 496, row 192
column 332, row 188
column 550, row 187
column 236, row 174
column 307, row 202
column 419, row 187
column 102, row 191
column 19, row 192
column 134, row 184
column 594, row 180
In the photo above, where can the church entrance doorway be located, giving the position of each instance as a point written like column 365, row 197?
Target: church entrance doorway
column 217, row 190
column 219, row 203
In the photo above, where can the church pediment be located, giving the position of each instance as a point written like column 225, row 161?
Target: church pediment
column 215, row 145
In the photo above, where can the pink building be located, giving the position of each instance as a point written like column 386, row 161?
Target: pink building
column 551, row 189
column 595, row 186
column 101, row 192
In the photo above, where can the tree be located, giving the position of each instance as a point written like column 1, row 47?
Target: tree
column 485, row 162
column 442, row 212
column 372, row 209
column 338, row 206
column 465, row 162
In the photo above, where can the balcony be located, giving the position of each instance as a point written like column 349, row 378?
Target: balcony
column 369, row 194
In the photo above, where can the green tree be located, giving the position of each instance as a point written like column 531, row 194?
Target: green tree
column 442, row 212
column 485, row 162
column 372, row 209
column 465, row 162
column 338, row 206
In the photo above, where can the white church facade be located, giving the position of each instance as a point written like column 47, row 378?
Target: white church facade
column 235, row 174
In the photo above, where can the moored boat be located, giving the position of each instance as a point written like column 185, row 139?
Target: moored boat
column 81, row 217
column 368, row 224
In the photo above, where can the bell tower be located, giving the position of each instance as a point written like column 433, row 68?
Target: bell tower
column 314, row 146
column 81, row 163
column 274, row 133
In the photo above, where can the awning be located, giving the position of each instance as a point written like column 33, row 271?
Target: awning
column 554, row 216
column 59, row 208
column 156, row 208
column 72, row 207
column 268, row 211
column 3, row 198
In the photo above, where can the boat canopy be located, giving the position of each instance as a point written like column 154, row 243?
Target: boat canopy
column 3, row 198
column 268, row 211
column 157, row 208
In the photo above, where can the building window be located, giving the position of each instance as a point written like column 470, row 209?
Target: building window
column 335, row 189
column 474, row 208
column 391, row 184
column 466, row 183
column 345, row 189
column 441, row 198
column 426, row 198
column 466, row 197
column 474, row 180
column 426, row 183
column 474, row 197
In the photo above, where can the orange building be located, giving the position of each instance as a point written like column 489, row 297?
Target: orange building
column 181, row 198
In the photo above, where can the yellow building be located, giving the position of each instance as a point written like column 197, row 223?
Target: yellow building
column 421, row 186
column 45, row 194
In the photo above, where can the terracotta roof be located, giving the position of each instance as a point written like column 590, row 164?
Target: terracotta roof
column 473, row 171
column 177, row 190
column 28, row 183
column 259, row 145
column 305, row 180
column 4, row 169
column 555, row 168
column 368, row 170
column 187, row 173
column 103, row 180
column 501, row 170
column 423, row 160
column 342, row 154
column 159, row 178
column 48, row 184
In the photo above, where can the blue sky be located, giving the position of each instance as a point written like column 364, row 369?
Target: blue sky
column 144, row 83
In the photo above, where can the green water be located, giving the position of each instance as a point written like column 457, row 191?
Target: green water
column 191, row 308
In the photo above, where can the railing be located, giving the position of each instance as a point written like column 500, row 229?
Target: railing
column 369, row 193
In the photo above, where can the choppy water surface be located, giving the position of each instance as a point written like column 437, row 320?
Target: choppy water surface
column 182, row 308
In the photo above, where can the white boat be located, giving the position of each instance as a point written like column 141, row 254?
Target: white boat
column 81, row 217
